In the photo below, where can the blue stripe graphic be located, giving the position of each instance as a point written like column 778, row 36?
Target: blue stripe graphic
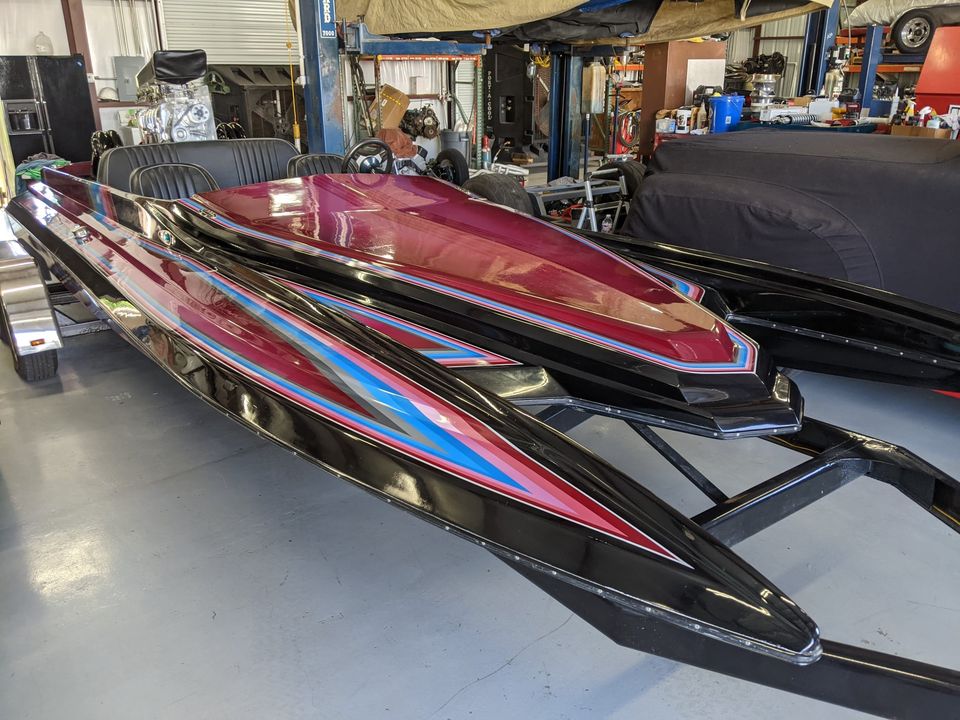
column 455, row 351
column 442, row 445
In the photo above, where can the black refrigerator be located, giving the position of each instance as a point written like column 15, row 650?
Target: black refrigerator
column 47, row 105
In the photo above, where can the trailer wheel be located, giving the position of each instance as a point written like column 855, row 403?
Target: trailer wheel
column 37, row 367
column 501, row 189
column 31, row 368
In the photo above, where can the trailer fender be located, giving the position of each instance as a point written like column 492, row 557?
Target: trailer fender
column 28, row 322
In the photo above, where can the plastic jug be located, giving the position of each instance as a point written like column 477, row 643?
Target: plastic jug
column 725, row 112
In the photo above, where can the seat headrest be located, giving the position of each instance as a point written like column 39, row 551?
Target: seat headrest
column 317, row 164
column 171, row 181
column 173, row 66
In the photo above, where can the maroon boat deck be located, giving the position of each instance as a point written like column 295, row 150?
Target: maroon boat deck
column 433, row 234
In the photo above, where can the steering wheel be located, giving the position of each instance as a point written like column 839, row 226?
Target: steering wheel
column 367, row 150
column 100, row 142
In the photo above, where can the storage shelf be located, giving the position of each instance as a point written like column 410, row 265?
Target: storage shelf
column 903, row 58
column 895, row 63
column 889, row 68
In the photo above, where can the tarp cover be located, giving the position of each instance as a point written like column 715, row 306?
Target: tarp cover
column 415, row 16
column 626, row 20
column 679, row 20
column 673, row 20
column 885, row 12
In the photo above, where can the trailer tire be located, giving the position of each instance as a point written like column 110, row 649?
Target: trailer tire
column 37, row 367
column 501, row 189
column 31, row 368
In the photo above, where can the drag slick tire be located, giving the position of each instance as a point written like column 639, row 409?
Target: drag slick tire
column 501, row 189
column 451, row 166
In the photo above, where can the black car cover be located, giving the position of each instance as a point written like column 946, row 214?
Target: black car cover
column 872, row 209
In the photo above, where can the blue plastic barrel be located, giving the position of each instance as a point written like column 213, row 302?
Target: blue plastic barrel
column 725, row 112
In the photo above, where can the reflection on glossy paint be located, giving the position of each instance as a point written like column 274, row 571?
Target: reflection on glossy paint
column 286, row 203
column 530, row 389
column 248, row 410
column 68, row 563
column 731, row 598
column 45, row 192
column 149, row 225
column 405, row 488
column 30, row 286
column 124, row 313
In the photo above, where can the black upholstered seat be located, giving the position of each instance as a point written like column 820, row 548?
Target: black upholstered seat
column 171, row 181
column 229, row 162
column 316, row 164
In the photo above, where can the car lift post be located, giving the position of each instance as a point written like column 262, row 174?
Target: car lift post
column 820, row 37
column 322, row 95
column 566, row 84
column 872, row 55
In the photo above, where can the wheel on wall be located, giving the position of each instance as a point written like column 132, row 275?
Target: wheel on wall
column 913, row 32
column 632, row 171
column 501, row 189
column 451, row 166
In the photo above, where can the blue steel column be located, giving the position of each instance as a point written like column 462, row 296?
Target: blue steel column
column 321, row 64
column 811, row 52
column 566, row 85
column 820, row 37
column 872, row 54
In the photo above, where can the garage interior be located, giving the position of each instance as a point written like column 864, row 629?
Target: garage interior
column 705, row 316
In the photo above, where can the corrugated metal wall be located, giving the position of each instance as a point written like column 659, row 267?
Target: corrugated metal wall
column 254, row 31
column 741, row 43
column 465, row 90
column 792, row 50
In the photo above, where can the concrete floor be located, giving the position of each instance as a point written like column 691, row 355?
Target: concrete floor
column 159, row 561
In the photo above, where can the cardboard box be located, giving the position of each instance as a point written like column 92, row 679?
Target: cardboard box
column 632, row 97
column 915, row 131
column 393, row 104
